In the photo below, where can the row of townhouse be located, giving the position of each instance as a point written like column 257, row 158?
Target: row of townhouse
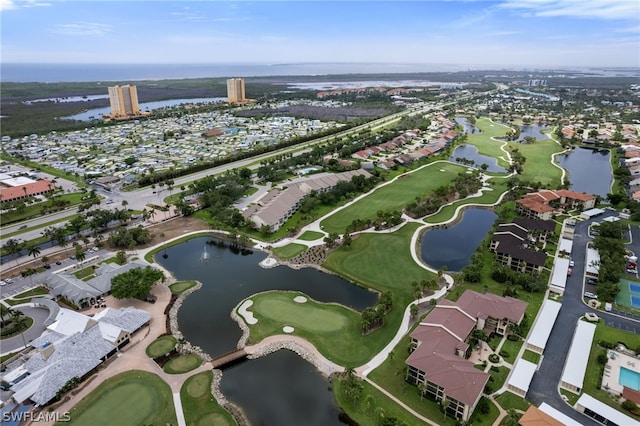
column 512, row 242
column 439, row 358
column 544, row 203
column 278, row 205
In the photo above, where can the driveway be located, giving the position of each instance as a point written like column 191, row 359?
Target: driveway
column 543, row 387
column 39, row 316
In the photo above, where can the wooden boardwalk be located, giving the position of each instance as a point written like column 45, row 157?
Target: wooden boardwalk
column 229, row 357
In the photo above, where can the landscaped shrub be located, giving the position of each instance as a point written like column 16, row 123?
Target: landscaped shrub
column 494, row 358
column 495, row 368
column 513, row 337
column 504, row 354
column 606, row 345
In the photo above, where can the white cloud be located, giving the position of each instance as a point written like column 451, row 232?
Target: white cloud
column 83, row 29
column 602, row 9
column 7, row 5
column 35, row 3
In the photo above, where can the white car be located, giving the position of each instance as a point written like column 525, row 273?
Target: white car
column 9, row 281
column 590, row 295
column 571, row 263
column 3, row 282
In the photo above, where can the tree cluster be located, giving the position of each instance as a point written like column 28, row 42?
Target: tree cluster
column 612, row 261
column 135, row 283
column 373, row 317
column 129, row 237
column 463, row 185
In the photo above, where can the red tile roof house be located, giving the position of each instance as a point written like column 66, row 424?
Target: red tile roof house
column 439, row 359
column 39, row 187
column 542, row 204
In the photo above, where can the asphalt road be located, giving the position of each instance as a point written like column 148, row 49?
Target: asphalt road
column 39, row 316
column 544, row 385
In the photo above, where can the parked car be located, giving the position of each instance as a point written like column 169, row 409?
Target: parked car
column 58, row 263
column 3, row 282
column 590, row 295
column 9, row 281
column 569, row 271
column 592, row 281
column 571, row 263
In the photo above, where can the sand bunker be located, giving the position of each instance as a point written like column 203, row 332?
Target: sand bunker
column 300, row 299
column 246, row 315
column 287, row 329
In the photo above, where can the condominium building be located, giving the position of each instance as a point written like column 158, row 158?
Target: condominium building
column 124, row 101
column 235, row 91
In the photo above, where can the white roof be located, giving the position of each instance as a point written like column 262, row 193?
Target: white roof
column 565, row 245
column 604, row 410
column 593, row 261
column 522, row 375
column 69, row 322
column 544, row 324
column 575, row 365
column 611, row 219
column 559, row 416
column 592, row 212
column 17, row 181
column 560, row 269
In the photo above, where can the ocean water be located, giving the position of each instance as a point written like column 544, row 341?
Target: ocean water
column 50, row 73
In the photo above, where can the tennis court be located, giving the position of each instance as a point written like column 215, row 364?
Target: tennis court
column 629, row 294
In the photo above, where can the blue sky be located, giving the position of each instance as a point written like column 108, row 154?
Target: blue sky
column 544, row 33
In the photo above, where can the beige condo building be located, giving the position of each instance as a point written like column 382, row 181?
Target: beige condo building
column 235, row 91
column 124, row 101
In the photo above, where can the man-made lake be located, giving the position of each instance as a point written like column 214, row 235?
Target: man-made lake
column 470, row 152
column 589, row 170
column 281, row 388
column 453, row 246
column 466, row 125
column 97, row 113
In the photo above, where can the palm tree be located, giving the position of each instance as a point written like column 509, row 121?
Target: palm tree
column 33, row 251
column 18, row 320
column 45, row 260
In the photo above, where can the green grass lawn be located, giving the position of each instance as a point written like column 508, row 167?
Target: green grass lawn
column 508, row 401
column 530, row 356
column 537, row 167
column 161, row 346
column 182, row 364
column 394, row 196
column 310, row 236
column 499, row 377
column 199, row 406
column 85, row 273
column 38, row 291
column 498, row 186
column 133, row 397
column 36, row 209
column 289, row 251
column 380, row 261
column 180, row 286
column 321, row 324
column 480, row 419
column 359, row 413
column 512, row 348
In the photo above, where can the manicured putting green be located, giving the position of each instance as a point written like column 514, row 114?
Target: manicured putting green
column 181, row 286
column 289, row 251
column 161, row 346
column 304, row 316
column 182, row 364
column 134, row 398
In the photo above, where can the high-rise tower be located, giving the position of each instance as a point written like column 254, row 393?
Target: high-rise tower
column 235, row 91
column 124, row 101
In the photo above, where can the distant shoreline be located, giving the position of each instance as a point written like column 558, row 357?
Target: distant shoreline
column 59, row 73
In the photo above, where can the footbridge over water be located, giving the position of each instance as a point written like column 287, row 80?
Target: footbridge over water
column 224, row 360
